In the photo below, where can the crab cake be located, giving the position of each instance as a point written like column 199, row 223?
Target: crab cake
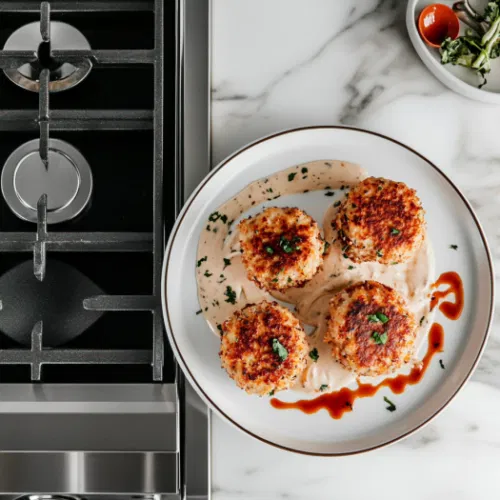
column 380, row 220
column 281, row 248
column 370, row 330
column 263, row 348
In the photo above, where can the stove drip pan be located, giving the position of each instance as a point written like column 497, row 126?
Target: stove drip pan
column 63, row 75
column 67, row 181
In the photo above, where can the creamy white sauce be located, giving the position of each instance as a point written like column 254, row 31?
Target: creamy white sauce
column 216, row 249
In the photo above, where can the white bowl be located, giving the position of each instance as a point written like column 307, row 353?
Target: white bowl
column 461, row 80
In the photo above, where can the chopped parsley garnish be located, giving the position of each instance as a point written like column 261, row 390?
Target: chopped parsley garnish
column 327, row 245
column 323, row 387
column 271, row 393
column 345, row 255
column 199, row 312
column 288, row 246
column 378, row 317
column 230, row 294
column 342, row 187
column 422, row 320
column 329, row 193
column 314, row 355
column 203, row 259
column 289, row 279
column 379, row 338
column 270, row 190
column 269, row 250
column 208, row 227
column 394, row 263
column 219, row 327
column 275, row 280
column 336, row 204
column 379, row 253
column 280, row 350
column 441, row 364
column 207, row 273
column 395, row 231
column 223, row 278
column 350, row 268
column 227, row 262
column 215, row 216
column 454, row 247
column 304, row 170
column 291, row 176
column 391, row 407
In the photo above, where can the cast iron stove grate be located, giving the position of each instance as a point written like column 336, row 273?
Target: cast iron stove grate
column 117, row 242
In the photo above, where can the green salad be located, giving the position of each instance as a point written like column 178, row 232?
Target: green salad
column 475, row 50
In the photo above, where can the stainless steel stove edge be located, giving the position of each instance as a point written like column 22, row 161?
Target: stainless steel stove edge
column 193, row 160
column 89, row 439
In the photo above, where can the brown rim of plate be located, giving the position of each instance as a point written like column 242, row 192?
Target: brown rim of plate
column 183, row 364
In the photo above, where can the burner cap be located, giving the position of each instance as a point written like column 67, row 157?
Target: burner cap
column 63, row 37
column 67, row 181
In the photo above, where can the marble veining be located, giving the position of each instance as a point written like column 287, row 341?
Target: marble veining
column 287, row 63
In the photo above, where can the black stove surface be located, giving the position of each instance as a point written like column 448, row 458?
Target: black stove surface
column 121, row 118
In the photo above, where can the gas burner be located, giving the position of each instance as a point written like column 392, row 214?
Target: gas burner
column 57, row 301
column 63, row 76
column 67, row 181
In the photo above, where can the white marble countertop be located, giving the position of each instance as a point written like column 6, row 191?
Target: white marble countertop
column 287, row 63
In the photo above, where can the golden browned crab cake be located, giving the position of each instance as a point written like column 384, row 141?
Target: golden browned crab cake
column 380, row 220
column 281, row 248
column 263, row 348
column 370, row 329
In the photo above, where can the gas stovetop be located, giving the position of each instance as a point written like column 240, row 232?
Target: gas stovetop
column 95, row 240
column 104, row 126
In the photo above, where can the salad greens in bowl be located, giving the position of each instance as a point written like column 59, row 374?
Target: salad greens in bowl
column 480, row 43
column 468, row 62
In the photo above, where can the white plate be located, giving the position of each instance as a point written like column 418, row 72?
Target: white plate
column 461, row 80
column 450, row 221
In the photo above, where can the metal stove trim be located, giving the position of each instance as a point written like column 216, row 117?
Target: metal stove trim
column 87, row 473
column 193, row 163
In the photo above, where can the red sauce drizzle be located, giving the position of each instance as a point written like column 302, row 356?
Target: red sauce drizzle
column 339, row 402
column 452, row 310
